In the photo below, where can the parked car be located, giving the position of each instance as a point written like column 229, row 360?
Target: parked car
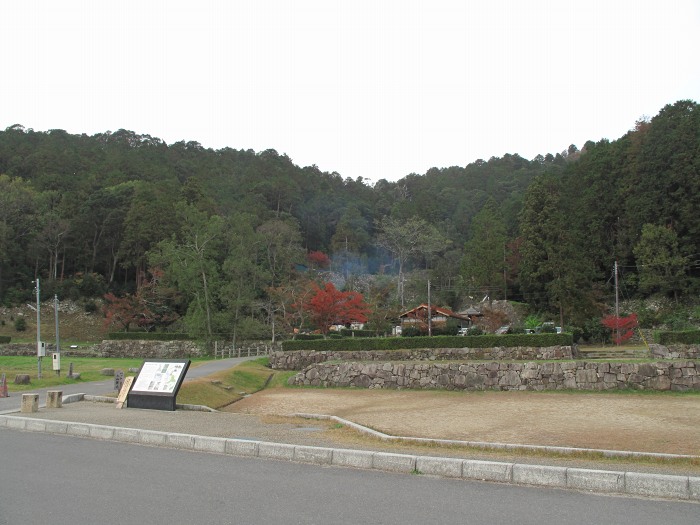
column 503, row 329
column 463, row 331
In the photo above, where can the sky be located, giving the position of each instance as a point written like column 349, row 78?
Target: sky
column 365, row 88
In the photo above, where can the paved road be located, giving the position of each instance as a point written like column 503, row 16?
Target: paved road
column 97, row 388
column 68, row 480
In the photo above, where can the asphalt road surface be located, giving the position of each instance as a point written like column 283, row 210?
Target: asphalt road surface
column 67, row 480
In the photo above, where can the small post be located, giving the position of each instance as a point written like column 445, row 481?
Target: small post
column 30, row 403
column 118, row 380
column 3, row 386
column 54, row 399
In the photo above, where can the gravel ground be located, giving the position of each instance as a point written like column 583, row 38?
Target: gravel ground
column 281, row 429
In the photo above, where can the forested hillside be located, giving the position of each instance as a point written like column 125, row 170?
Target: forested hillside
column 224, row 240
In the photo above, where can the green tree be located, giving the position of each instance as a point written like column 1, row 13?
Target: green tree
column 17, row 216
column 553, row 275
column 190, row 260
column 244, row 278
column 661, row 267
column 485, row 252
column 406, row 240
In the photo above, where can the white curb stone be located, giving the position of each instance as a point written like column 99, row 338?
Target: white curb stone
column 56, row 427
column 185, row 441
column 394, row 462
column 353, row 458
column 595, row 480
column 35, row 425
column 210, row 444
column 316, row 455
column 241, row 447
column 655, row 484
column 78, row 429
column 127, row 435
column 100, row 432
column 539, row 475
column 446, row 467
column 275, row 451
column 487, row 471
column 152, row 437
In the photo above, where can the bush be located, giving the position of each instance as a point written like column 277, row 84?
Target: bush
column 4, row 339
column 689, row 337
column 20, row 324
column 90, row 307
column 411, row 331
column 307, row 337
column 348, row 332
column 404, row 343
column 147, row 336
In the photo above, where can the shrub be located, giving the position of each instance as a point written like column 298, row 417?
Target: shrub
column 20, row 324
column 90, row 307
column 348, row 332
column 4, row 339
column 147, row 336
column 411, row 331
column 689, row 337
column 408, row 343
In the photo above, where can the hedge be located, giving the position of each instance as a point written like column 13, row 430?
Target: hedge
column 443, row 341
column 349, row 332
column 147, row 336
column 689, row 337
column 5, row 339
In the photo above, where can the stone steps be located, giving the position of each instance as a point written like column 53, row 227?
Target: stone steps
column 627, row 353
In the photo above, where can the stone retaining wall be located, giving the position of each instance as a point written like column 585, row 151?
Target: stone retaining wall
column 300, row 359
column 676, row 351
column 574, row 375
column 143, row 349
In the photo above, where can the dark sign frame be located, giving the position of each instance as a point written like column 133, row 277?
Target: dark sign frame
column 158, row 383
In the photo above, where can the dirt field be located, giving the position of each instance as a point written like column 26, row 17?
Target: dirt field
column 639, row 422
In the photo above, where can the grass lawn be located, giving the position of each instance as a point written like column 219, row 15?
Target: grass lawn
column 214, row 391
column 88, row 367
column 224, row 388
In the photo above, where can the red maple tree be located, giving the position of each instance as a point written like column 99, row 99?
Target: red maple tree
column 318, row 259
column 622, row 327
column 329, row 306
column 149, row 308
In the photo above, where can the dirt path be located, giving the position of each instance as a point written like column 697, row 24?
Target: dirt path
column 649, row 423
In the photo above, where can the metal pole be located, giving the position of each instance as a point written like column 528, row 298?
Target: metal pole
column 58, row 345
column 38, row 328
column 430, row 317
column 617, row 309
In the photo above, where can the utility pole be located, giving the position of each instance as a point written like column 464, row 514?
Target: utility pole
column 617, row 309
column 38, row 329
column 430, row 317
column 505, row 278
column 58, row 345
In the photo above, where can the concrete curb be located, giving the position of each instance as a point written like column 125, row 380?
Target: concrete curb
column 497, row 446
column 599, row 481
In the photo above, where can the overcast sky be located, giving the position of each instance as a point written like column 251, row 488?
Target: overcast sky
column 377, row 89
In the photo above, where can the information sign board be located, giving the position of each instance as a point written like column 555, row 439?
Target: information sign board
column 158, row 383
